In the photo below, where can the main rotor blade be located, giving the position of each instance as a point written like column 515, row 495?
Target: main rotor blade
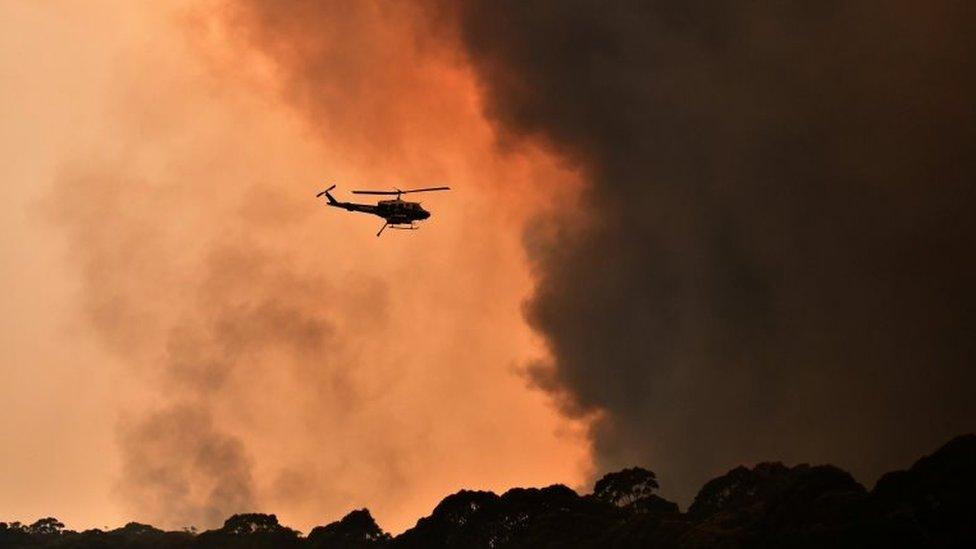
column 404, row 192
column 375, row 192
column 427, row 189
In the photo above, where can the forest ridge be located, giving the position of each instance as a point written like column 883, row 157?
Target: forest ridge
column 769, row 505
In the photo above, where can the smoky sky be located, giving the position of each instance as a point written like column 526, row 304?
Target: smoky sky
column 252, row 349
column 773, row 254
column 770, row 257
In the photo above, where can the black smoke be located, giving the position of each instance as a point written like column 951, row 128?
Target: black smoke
column 775, row 253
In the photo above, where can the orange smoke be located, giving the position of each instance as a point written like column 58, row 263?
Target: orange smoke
column 277, row 356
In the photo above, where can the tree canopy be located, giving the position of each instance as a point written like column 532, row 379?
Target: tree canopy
column 768, row 505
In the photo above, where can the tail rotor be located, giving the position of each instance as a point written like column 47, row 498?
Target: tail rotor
column 327, row 195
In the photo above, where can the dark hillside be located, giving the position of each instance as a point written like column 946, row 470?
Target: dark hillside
column 769, row 505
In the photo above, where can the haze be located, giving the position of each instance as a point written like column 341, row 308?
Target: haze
column 189, row 333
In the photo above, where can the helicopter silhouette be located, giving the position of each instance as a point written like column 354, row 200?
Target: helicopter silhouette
column 396, row 213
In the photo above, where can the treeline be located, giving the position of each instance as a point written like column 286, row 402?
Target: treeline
column 932, row 504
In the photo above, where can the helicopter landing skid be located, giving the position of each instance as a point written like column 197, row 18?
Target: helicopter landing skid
column 410, row 227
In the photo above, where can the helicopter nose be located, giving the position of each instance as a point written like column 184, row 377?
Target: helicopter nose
column 424, row 214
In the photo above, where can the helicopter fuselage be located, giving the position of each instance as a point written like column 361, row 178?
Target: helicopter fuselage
column 400, row 211
column 395, row 212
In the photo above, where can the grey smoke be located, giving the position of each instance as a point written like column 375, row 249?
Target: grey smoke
column 195, row 314
column 178, row 466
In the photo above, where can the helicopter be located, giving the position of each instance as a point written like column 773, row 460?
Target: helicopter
column 396, row 213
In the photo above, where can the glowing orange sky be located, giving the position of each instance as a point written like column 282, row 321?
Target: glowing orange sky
column 163, row 253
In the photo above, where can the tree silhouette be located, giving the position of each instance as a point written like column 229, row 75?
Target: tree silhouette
column 250, row 523
column 49, row 526
column 355, row 530
column 250, row 530
column 627, row 487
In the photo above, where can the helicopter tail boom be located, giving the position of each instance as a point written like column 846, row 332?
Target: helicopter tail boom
column 351, row 206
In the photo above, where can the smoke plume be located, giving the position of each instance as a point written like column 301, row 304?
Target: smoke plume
column 201, row 326
column 273, row 354
column 773, row 258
